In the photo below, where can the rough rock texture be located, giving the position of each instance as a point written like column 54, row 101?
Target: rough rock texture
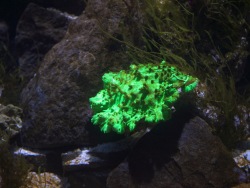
column 46, row 179
column 102, row 156
column 37, row 159
column 10, row 119
column 37, row 31
column 71, row 6
column 188, row 156
column 55, row 101
column 215, row 116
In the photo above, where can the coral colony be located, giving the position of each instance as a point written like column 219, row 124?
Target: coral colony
column 144, row 93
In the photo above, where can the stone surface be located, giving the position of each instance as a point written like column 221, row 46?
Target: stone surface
column 4, row 34
column 37, row 159
column 90, row 167
column 213, row 114
column 56, row 101
column 48, row 180
column 242, row 159
column 37, row 31
column 10, row 119
column 186, row 156
column 71, row 6
column 106, row 155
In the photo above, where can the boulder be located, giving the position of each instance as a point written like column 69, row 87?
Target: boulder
column 56, row 101
column 38, row 30
column 178, row 155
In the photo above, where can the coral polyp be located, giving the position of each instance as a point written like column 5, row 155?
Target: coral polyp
column 145, row 92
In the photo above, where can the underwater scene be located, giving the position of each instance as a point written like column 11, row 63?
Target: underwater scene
column 124, row 94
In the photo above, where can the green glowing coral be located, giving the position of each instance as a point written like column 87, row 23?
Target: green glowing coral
column 144, row 93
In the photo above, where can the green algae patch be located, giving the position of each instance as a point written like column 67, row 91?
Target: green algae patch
column 146, row 92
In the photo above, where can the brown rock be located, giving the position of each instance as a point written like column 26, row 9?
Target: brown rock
column 56, row 106
column 178, row 156
column 38, row 30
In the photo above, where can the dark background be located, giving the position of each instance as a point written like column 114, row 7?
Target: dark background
column 11, row 10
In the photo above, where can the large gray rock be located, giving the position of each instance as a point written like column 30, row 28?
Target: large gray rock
column 38, row 30
column 56, row 101
column 186, row 156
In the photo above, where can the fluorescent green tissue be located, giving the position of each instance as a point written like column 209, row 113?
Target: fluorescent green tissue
column 144, row 93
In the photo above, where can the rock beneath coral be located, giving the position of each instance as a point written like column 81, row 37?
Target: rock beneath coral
column 80, row 159
column 90, row 167
column 38, row 30
column 178, row 155
column 101, row 156
column 120, row 177
column 56, row 100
